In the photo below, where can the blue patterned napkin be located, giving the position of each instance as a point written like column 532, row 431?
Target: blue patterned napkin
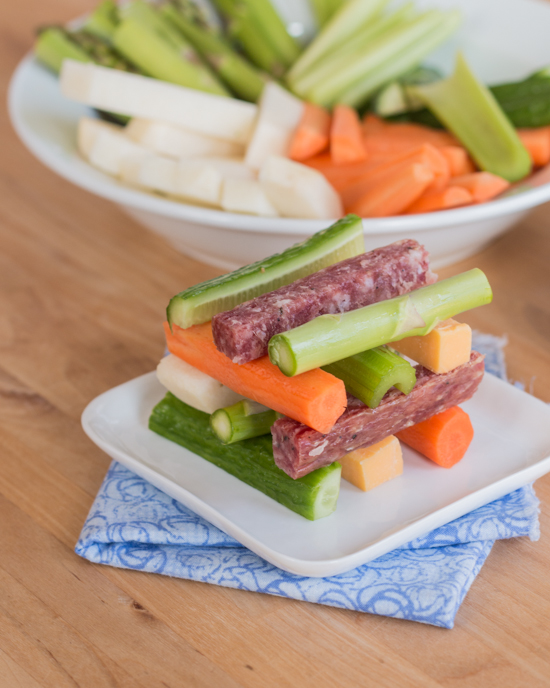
column 133, row 525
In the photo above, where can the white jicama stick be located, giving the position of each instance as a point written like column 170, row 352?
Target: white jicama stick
column 246, row 196
column 279, row 113
column 138, row 96
column 194, row 387
column 108, row 149
column 178, row 142
column 299, row 191
column 196, row 183
column 229, row 168
column 88, row 128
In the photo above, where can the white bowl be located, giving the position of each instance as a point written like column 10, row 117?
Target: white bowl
column 500, row 45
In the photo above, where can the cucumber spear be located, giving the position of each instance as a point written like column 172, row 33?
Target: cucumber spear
column 331, row 338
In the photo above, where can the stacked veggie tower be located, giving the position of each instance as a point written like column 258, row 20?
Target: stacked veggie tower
column 287, row 370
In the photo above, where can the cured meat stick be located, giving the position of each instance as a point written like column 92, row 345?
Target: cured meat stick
column 298, row 449
column 243, row 333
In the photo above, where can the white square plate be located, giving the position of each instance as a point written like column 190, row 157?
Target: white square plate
column 511, row 448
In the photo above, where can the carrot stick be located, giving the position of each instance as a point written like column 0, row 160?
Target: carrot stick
column 346, row 137
column 315, row 398
column 426, row 155
column 458, row 160
column 537, row 142
column 443, row 199
column 482, row 185
column 312, row 133
column 340, row 176
column 392, row 193
column 443, row 438
column 399, row 137
column 372, row 124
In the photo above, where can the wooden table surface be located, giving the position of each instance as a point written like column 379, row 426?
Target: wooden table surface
column 82, row 295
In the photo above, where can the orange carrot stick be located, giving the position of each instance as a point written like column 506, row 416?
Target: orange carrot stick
column 340, row 176
column 312, row 133
column 346, row 137
column 314, row 398
column 537, row 142
column 392, row 193
column 458, row 160
column 482, row 185
column 451, row 197
column 399, row 137
column 426, row 155
column 443, row 438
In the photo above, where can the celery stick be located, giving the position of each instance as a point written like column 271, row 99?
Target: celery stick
column 272, row 28
column 330, row 338
column 243, row 420
column 352, row 18
column 370, row 374
column 159, row 58
column 387, row 47
column 471, row 112
column 406, row 59
column 313, row 496
column 199, row 303
column 332, row 63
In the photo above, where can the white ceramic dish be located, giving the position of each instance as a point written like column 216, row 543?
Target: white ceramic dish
column 511, row 448
column 502, row 45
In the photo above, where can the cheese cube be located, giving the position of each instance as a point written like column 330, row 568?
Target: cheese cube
column 369, row 467
column 446, row 347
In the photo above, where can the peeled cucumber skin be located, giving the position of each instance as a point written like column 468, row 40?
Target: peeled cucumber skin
column 250, row 460
column 198, row 304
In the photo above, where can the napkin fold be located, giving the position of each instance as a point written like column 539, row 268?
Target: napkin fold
column 134, row 525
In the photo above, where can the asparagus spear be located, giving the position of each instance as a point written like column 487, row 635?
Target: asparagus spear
column 370, row 374
column 234, row 70
column 55, row 44
column 261, row 33
column 331, row 338
column 149, row 41
column 243, row 420
column 472, row 113
column 103, row 21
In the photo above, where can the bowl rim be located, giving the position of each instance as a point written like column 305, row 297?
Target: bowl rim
column 85, row 176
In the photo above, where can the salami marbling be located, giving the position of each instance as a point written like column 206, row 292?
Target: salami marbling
column 298, row 449
column 243, row 333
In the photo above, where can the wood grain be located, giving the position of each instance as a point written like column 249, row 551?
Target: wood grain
column 82, row 296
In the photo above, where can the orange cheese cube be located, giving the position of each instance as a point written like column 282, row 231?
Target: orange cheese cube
column 369, row 467
column 446, row 347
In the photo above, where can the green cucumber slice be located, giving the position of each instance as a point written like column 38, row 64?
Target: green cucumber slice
column 200, row 303
column 313, row 496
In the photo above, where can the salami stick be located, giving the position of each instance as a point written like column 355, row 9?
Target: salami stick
column 243, row 333
column 298, row 449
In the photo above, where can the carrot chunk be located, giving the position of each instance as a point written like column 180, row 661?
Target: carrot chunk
column 443, row 438
column 346, row 137
column 482, row 185
column 392, row 193
column 451, row 197
column 312, row 133
column 458, row 160
column 315, row 398
column 537, row 142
